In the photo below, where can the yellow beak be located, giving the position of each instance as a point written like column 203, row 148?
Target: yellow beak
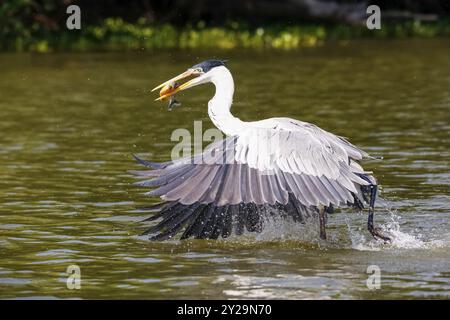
column 168, row 88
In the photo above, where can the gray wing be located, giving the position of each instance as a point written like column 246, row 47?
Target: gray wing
column 234, row 181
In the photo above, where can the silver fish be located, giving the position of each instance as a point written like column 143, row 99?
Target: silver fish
column 173, row 103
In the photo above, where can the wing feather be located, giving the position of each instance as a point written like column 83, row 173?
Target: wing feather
column 280, row 163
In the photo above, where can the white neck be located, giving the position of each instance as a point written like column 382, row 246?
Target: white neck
column 219, row 106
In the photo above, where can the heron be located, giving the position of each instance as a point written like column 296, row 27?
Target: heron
column 276, row 166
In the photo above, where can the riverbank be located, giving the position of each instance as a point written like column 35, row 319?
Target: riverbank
column 115, row 34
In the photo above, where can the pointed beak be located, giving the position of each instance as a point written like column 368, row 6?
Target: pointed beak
column 168, row 88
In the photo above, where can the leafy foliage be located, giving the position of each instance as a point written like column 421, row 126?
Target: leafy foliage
column 25, row 26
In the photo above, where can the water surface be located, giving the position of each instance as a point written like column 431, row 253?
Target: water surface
column 70, row 122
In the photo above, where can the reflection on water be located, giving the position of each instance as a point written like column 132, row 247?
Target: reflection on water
column 69, row 123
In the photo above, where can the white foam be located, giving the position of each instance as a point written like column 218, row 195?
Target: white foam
column 357, row 237
column 346, row 230
column 399, row 239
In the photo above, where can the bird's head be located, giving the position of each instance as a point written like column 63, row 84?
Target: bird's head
column 198, row 74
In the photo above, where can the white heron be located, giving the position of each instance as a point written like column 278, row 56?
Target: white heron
column 276, row 166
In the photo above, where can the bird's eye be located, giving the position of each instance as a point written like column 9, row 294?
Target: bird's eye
column 200, row 70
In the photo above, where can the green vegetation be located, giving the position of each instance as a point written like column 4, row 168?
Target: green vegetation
column 116, row 34
column 40, row 26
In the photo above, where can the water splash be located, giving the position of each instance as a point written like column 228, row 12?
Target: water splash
column 401, row 239
column 285, row 229
column 345, row 231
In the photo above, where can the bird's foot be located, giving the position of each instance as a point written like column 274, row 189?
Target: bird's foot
column 378, row 235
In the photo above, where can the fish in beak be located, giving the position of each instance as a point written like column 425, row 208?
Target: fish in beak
column 171, row 86
column 167, row 91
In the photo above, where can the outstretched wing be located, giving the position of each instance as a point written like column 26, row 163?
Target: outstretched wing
column 292, row 168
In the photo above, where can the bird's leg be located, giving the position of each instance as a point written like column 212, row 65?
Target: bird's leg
column 322, row 222
column 376, row 232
